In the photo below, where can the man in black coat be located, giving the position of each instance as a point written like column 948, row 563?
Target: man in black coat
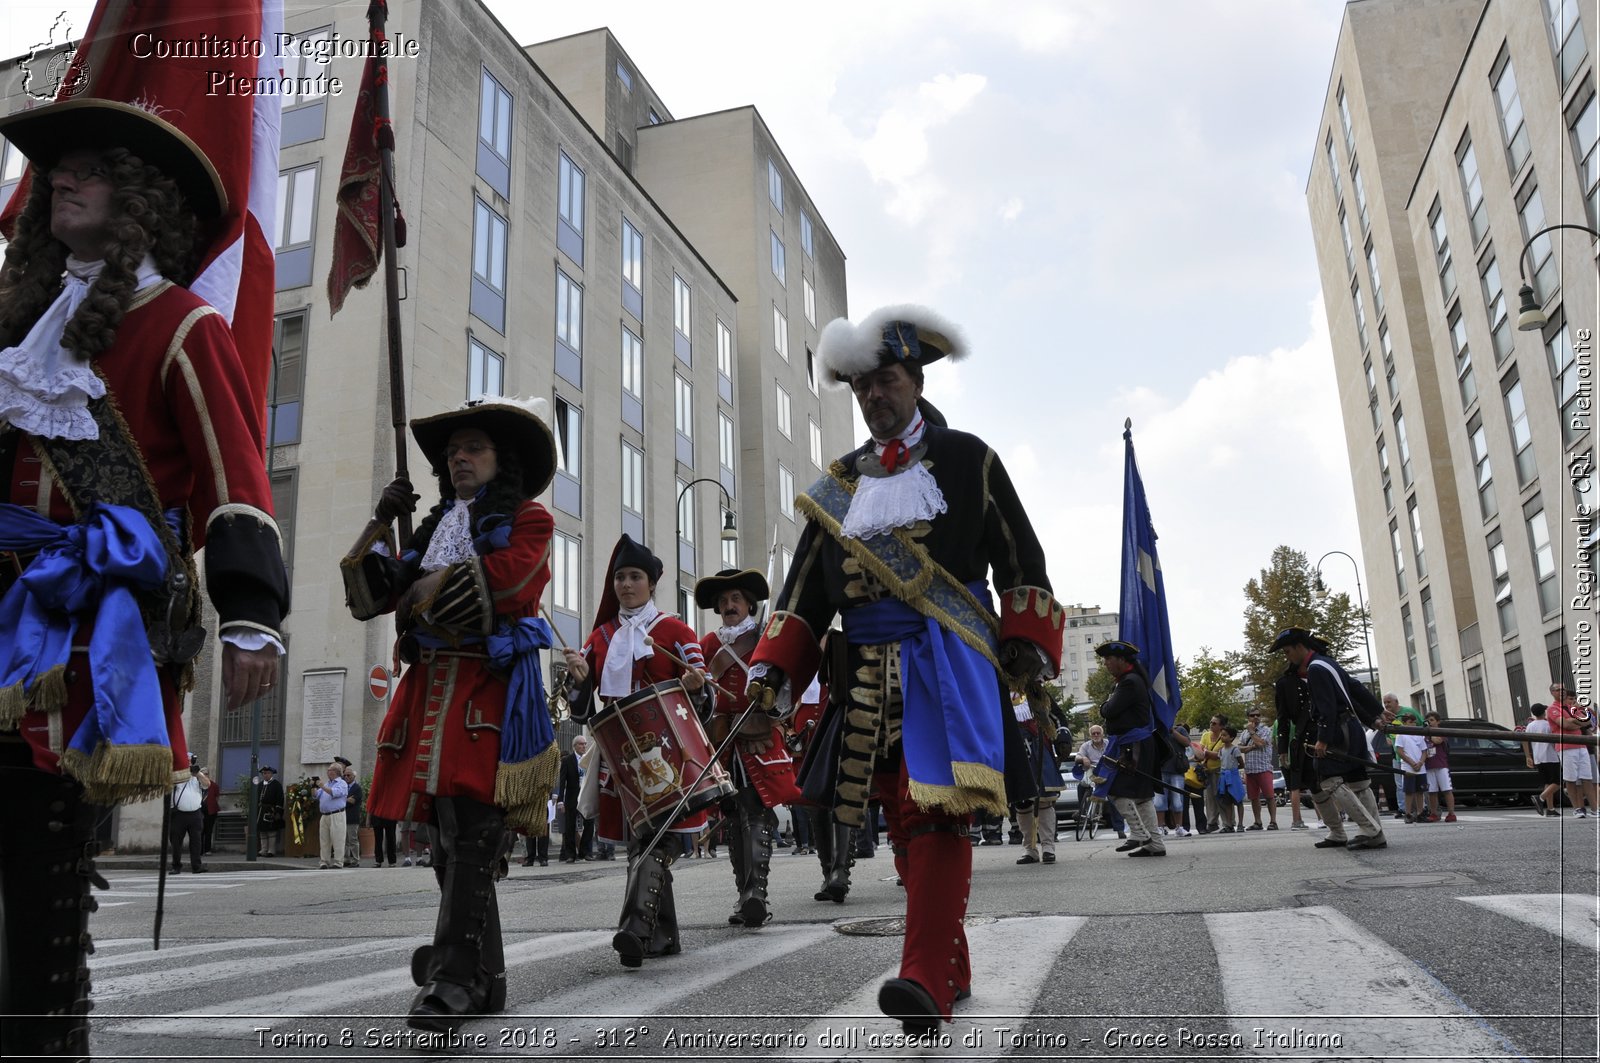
column 269, row 817
column 567, row 797
column 1131, row 722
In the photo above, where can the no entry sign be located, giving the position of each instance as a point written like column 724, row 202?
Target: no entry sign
column 378, row 682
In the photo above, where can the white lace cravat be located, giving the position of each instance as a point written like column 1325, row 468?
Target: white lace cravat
column 627, row 646
column 727, row 635
column 452, row 539
column 44, row 388
column 884, row 503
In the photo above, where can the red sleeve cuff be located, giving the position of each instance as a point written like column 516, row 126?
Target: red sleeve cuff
column 1033, row 614
column 788, row 644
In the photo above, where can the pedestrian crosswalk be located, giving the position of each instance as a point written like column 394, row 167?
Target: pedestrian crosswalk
column 1319, row 981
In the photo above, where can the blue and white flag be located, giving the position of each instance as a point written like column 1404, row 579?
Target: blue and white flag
column 1144, row 593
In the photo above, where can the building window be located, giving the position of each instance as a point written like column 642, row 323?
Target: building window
column 1361, row 312
column 1566, row 36
column 685, row 514
column 1512, row 124
column 632, row 256
column 1544, row 558
column 1404, row 447
column 1361, row 196
column 1494, row 301
column 1383, row 474
column 805, row 234
column 1387, row 347
column 1564, row 374
column 569, row 312
column 494, row 117
column 726, row 447
column 1377, row 279
column 816, row 442
column 566, row 571
column 632, row 479
column 1411, row 643
column 1430, row 633
column 569, row 438
column 680, row 305
column 775, row 185
column 285, row 488
column 488, row 299
column 486, row 371
column 1333, row 170
column 724, row 350
column 288, row 377
column 786, row 493
column 811, row 301
column 1458, row 340
column 777, row 258
column 1478, row 440
column 811, row 369
column 1502, row 584
column 1372, row 394
column 1530, row 209
column 1584, row 134
column 1349, row 246
column 1441, row 252
column 780, row 333
column 1472, row 189
column 296, row 226
column 12, row 163
column 569, row 208
column 1398, row 547
column 624, row 78
column 632, row 364
column 1417, row 552
column 683, row 414
column 301, row 85
column 784, row 424
column 1521, row 434
column 1344, row 120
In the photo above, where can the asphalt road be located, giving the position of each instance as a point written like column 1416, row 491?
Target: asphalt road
column 1478, row 940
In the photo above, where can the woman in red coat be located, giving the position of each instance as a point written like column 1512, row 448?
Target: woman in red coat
column 624, row 654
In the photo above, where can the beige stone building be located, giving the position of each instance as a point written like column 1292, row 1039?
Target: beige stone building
column 1454, row 130
column 556, row 250
column 1086, row 628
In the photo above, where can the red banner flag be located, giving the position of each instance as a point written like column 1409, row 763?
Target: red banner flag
column 198, row 66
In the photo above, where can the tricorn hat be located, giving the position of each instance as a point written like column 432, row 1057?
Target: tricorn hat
column 268, row 767
column 905, row 334
column 1118, row 648
column 751, row 582
column 512, row 423
column 341, row 760
column 1298, row 636
column 626, row 554
column 46, row 133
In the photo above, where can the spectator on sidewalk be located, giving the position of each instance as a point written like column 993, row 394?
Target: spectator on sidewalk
column 1543, row 758
column 383, row 847
column 331, row 793
column 1208, row 766
column 352, row 817
column 1577, row 766
column 269, row 820
column 1170, row 802
column 1088, row 759
column 188, row 816
column 209, row 811
column 1230, row 781
column 1413, row 753
column 1257, row 749
column 1438, row 766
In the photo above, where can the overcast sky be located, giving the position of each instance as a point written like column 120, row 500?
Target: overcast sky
column 1109, row 195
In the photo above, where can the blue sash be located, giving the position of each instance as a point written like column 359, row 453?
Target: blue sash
column 1115, row 744
column 525, row 731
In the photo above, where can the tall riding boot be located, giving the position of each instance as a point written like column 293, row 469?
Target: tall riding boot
column 934, row 965
column 646, row 905
column 733, row 816
column 463, row 973
column 47, row 850
column 759, row 825
column 836, row 871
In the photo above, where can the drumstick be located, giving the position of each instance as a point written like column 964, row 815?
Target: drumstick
column 648, row 641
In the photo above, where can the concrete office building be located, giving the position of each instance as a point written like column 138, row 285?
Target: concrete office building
column 1452, row 131
column 1086, row 628
column 541, row 262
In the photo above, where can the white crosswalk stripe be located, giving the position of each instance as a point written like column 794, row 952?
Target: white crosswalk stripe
column 1571, row 916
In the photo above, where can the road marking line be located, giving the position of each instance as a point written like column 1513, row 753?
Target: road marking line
column 185, row 976
column 1572, row 916
column 1339, row 981
column 146, row 954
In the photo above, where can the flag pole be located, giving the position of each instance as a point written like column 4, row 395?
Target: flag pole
column 377, row 16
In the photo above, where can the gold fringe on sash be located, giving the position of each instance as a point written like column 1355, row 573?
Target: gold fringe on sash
column 120, row 775
column 48, row 694
column 978, row 788
column 523, row 790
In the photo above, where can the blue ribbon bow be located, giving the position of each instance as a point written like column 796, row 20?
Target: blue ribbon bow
column 525, row 731
column 91, row 568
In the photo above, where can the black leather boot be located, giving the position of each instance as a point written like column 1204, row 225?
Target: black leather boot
column 758, row 826
column 735, row 820
column 649, row 923
column 836, row 870
column 47, row 850
column 463, row 972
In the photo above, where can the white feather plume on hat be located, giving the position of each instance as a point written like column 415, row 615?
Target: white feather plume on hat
column 846, row 350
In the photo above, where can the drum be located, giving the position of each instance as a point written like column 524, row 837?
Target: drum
column 659, row 752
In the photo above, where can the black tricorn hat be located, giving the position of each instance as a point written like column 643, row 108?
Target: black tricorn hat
column 341, row 760
column 751, row 582
column 509, row 423
column 268, row 767
column 1298, row 636
column 1118, row 648
column 46, row 133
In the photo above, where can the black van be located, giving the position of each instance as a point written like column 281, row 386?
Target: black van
column 1489, row 770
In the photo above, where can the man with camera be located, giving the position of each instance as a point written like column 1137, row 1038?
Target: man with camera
column 331, row 794
column 188, row 816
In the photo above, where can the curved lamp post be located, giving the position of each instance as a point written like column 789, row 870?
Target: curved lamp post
column 1530, row 315
column 730, row 533
column 1322, row 592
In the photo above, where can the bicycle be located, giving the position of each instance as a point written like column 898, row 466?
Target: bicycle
column 1090, row 809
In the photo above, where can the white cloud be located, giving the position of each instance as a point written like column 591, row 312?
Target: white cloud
column 1011, row 209
column 896, row 154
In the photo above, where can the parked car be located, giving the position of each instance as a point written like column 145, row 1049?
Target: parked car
column 1489, row 770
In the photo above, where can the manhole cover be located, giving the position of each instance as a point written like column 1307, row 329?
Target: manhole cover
column 892, row 927
column 1385, row 882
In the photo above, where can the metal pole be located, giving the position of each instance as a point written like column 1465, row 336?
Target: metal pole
column 678, row 529
column 377, row 15
column 1361, row 601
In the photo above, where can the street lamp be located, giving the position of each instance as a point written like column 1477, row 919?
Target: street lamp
column 1530, row 315
column 1322, row 592
column 730, row 534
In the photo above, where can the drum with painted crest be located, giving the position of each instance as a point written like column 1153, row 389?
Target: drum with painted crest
column 658, row 751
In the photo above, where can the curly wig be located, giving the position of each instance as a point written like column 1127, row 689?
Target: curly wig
column 150, row 217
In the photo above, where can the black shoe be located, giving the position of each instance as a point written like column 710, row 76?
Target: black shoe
column 630, row 950
column 1331, row 843
column 1048, row 858
column 903, row 999
column 1364, row 842
column 1145, row 850
column 1538, row 803
column 1028, row 858
column 738, row 920
column 1129, row 846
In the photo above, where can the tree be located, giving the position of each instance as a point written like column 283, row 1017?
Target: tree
column 1210, row 687
column 1286, row 595
column 1097, row 688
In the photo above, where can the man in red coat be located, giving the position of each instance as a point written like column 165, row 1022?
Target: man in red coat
column 127, row 442
column 467, row 745
column 760, row 766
